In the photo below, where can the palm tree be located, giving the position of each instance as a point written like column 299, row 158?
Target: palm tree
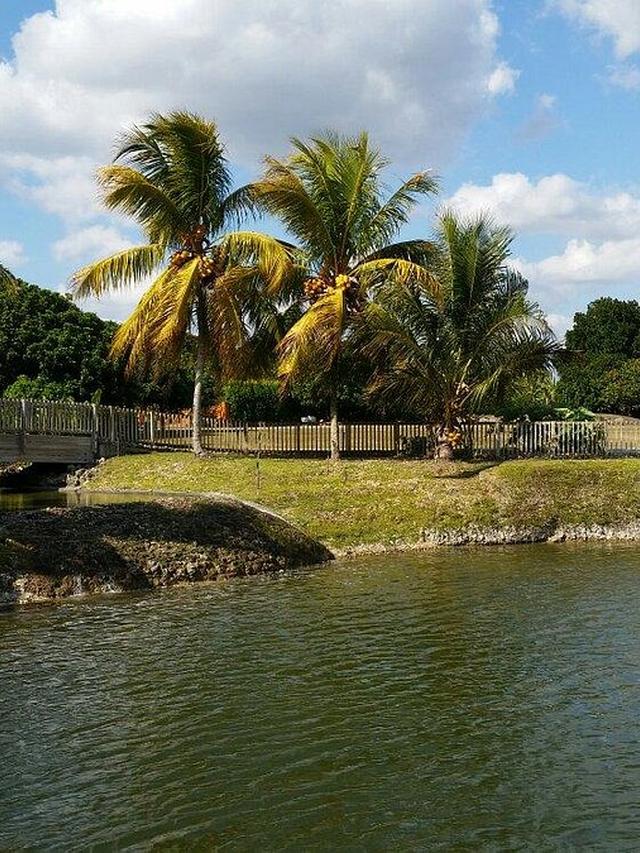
column 171, row 176
column 8, row 280
column 329, row 195
column 457, row 343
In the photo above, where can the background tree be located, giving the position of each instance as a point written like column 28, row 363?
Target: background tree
column 171, row 176
column 593, row 368
column 329, row 195
column 608, row 327
column 50, row 349
column 446, row 348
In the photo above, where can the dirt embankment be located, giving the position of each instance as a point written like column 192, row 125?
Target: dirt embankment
column 58, row 552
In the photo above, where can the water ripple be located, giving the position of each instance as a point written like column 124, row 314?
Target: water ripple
column 456, row 700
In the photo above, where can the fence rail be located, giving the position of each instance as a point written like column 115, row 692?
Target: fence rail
column 117, row 430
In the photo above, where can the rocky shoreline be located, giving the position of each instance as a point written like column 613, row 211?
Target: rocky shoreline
column 481, row 536
column 58, row 552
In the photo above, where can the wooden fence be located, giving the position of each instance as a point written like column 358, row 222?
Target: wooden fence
column 116, row 430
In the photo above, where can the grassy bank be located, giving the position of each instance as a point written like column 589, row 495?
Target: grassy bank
column 389, row 501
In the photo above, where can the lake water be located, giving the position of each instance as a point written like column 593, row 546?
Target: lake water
column 464, row 699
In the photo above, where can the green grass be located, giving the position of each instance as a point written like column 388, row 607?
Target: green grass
column 390, row 501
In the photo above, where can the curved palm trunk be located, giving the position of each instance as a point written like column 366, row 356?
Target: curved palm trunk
column 334, row 429
column 196, row 413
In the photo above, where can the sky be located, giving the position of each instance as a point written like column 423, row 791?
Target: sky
column 526, row 109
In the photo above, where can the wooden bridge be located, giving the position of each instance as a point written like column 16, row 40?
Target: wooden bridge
column 64, row 433
column 79, row 433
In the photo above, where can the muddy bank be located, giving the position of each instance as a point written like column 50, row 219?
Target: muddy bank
column 57, row 552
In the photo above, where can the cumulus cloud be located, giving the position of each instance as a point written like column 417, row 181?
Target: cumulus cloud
column 11, row 253
column 618, row 20
column 554, row 204
column 599, row 243
column 415, row 74
column 96, row 241
column 584, row 261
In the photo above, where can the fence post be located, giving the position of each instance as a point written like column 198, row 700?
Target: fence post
column 94, row 428
column 152, row 428
column 22, row 430
column 347, row 438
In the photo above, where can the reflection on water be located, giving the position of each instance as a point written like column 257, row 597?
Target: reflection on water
column 39, row 498
column 465, row 700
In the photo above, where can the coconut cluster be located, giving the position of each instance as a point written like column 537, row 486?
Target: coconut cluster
column 182, row 257
column 207, row 269
column 192, row 247
column 314, row 288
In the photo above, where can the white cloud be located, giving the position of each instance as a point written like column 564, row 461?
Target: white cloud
column 560, row 323
column 584, row 261
column 415, row 74
column 615, row 19
column 11, row 253
column 96, row 241
column 555, row 204
column 598, row 234
column 502, row 79
column 625, row 77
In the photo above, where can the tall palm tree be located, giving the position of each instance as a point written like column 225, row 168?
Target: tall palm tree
column 171, row 176
column 329, row 194
column 449, row 348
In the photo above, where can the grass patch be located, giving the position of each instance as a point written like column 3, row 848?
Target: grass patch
column 385, row 501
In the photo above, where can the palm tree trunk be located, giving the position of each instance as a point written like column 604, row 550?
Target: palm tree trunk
column 196, row 413
column 444, row 448
column 334, row 428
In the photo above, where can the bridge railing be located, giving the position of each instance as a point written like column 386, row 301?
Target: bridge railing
column 116, row 430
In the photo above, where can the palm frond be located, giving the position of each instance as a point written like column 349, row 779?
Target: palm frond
column 272, row 259
column 122, row 270
column 152, row 337
column 8, row 281
column 128, row 191
column 396, row 272
column 314, row 339
column 282, row 193
column 395, row 211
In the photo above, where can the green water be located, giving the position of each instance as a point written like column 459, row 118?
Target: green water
column 459, row 700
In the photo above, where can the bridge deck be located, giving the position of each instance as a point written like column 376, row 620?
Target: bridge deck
column 63, row 449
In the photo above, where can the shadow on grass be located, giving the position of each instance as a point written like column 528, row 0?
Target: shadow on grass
column 454, row 471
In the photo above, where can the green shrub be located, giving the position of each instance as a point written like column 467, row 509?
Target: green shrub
column 40, row 389
column 254, row 400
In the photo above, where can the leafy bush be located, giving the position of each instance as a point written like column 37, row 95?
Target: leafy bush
column 40, row 389
column 254, row 400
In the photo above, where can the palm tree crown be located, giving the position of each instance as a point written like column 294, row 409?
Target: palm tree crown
column 447, row 347
column 171, row 176
column 329, row 194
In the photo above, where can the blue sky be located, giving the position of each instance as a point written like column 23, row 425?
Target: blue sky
column 526, row 108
